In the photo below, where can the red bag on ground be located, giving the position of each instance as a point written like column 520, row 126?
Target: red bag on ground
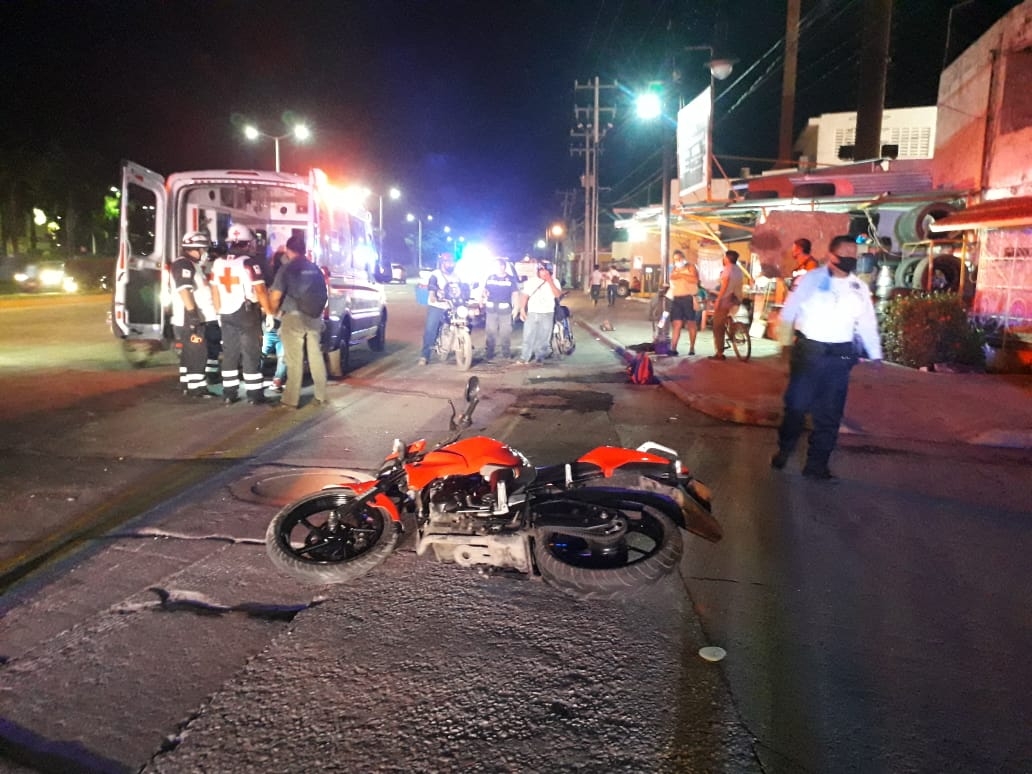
column 640, row 370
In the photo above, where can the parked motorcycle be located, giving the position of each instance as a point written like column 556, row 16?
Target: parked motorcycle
column 562, row 331
column 454, row 335
column 594, row 528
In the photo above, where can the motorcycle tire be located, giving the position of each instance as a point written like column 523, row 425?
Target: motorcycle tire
column 651, row 549
column 300, row 543
column 463, row 351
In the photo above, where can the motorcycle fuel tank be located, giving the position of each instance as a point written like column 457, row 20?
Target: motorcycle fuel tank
column 468, row 456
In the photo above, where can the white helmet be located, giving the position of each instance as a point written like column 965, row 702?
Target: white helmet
column 239, row 233
column 196, row 240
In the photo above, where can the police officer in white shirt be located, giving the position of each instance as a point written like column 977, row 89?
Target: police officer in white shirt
column 829, row 310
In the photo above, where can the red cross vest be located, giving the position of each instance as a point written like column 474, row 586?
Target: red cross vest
column 235, row 277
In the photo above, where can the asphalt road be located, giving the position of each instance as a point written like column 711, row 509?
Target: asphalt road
column 876, row 624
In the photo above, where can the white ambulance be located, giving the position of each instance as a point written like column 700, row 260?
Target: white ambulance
column 156, row 212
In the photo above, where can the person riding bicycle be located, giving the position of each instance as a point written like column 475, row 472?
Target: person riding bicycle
column 730, row 295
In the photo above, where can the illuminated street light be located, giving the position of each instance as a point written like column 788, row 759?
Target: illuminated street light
column 719, row 70
column 650, row 107
column 555, row 233
column 299, row 132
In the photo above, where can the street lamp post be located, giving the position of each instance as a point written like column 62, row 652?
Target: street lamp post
column 299, row 132
column 419, row 237
column 719, row 70
column 556, row 232
column 650, row 106
column 393, row 193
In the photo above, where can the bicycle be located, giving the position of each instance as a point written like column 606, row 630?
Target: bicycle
column 736, row 330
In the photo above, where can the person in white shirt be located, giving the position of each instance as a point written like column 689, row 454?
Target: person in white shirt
column 537, row 310
column 596, row 284
column 612, row 285
column 828, row 312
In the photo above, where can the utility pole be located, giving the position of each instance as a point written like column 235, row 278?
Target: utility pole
column 874, row 62
column 591, row 129
column 788, row 85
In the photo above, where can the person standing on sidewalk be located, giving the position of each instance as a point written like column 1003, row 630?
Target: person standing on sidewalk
column 730, row 295
column 684, row 283
column 612, row 284
column 238, row 289
column 596, row 284
column 537, row 310
column 501, row 296
column 299, row 294
column 829, row 310
column 804, row 261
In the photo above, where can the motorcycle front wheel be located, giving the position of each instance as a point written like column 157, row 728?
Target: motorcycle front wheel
column 463, row 350
column 319, row 540
column 562, row 338
column 584, row 568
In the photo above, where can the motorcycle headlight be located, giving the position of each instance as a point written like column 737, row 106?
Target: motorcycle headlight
column 462, row 312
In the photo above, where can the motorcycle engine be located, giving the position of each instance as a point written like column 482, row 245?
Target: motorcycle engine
column 455, row 504
column 458, row 526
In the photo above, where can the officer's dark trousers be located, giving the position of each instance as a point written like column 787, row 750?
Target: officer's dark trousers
column 242, row 347
column 191, row 358
column 818, row 384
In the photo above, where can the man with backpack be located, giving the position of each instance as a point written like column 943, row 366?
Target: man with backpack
column 299, row 294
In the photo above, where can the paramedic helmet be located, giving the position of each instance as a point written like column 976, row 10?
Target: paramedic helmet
column 240, row 238
column 196, row 240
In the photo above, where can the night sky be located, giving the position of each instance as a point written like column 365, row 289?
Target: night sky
column 467, row 106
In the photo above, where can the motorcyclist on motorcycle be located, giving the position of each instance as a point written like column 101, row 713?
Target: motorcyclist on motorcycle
column 443, row 286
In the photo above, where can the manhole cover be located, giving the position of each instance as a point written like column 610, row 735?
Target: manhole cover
column 276, row 486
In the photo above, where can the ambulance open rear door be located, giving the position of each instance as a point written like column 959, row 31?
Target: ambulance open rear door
column 141, row 310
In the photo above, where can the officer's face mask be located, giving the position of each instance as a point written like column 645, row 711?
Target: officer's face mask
column 846, row 263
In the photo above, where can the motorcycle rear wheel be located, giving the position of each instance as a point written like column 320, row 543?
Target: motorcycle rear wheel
column 583, row 569
column 301, row 542
column 463, row 350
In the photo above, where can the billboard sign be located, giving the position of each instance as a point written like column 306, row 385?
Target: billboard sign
column 693, row 120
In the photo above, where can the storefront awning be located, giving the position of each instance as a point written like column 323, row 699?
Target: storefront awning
column 1000, row 213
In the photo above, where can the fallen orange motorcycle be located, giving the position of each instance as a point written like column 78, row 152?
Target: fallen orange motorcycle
column 603, row 525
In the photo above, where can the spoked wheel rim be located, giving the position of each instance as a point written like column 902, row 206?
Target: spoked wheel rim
column 324, row 531
column 642, row 539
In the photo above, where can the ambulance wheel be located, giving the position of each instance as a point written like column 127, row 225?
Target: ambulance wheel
column 139, row 353
column 338, row 361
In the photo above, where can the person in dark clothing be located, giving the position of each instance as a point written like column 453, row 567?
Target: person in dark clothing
column 192, row 310
column 501, row 295
column 299, row 294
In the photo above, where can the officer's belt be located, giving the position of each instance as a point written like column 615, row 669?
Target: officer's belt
column 837, row 349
